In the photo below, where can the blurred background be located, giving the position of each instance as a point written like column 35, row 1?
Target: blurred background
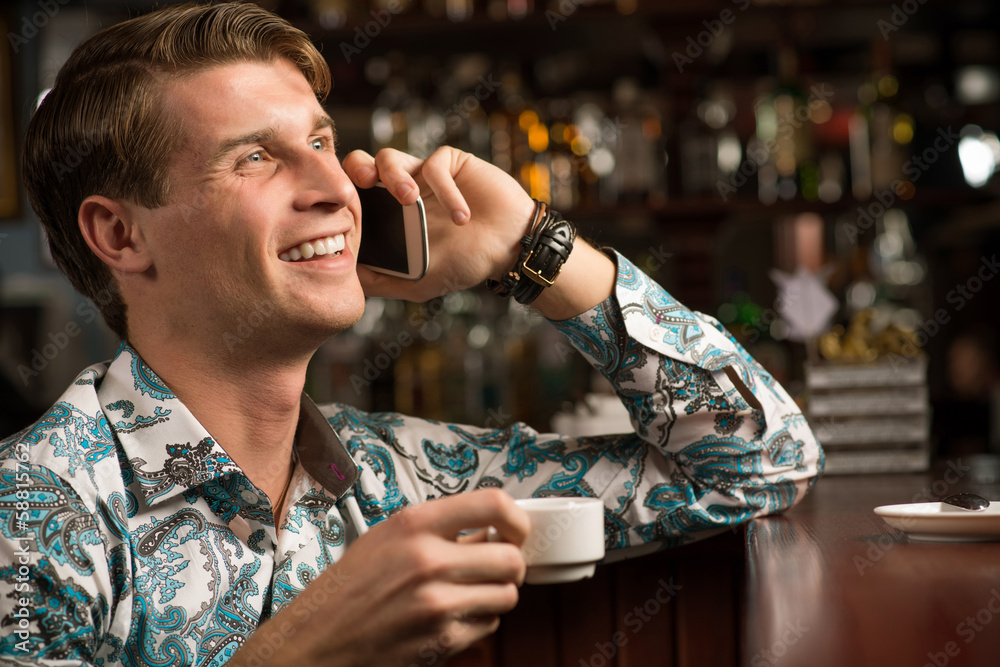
column 723, row 145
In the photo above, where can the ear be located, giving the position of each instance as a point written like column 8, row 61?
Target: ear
column 109, row 228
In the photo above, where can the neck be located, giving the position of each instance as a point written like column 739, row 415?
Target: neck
column 249, row 403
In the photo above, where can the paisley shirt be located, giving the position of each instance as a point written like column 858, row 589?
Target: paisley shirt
column 129, row 536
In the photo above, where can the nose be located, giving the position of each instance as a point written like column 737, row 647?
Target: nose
column 322, row 183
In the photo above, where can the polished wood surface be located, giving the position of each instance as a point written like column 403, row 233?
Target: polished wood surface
column 677, row 608
column 830, row 583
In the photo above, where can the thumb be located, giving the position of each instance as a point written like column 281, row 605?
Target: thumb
column 381, row 285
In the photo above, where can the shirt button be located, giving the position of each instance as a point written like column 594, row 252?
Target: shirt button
column 249, row 497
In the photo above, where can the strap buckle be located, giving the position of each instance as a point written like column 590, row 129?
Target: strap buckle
column 536, row 275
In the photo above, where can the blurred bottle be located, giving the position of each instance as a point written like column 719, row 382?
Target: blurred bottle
column 502, row 10
column 892, row 129
column 564, row 175
column 784, row 129
column 638, row 125
column 389, row 124
column 459, row 10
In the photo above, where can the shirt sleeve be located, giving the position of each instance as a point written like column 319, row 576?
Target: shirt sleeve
column 715, row 442
column 55, row 576
column 722, row 440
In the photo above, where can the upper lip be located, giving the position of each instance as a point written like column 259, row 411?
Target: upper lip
column 317, row 235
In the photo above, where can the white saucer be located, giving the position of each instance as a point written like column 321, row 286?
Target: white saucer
column 938, row 522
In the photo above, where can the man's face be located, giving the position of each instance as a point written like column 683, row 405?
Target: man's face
column 255, row 183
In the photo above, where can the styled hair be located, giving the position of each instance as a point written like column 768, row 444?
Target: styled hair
column 102, row 130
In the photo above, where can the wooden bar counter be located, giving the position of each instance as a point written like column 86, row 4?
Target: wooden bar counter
column 830, row 583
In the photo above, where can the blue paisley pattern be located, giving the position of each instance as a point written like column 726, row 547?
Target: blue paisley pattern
column 134, row 539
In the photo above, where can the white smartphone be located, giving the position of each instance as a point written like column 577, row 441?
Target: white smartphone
column 393, row 236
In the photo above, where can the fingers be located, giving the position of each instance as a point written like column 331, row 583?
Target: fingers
column 381, row 285
column 484, row 600
column 400, row 171
column 457, row 636
column 392, row 167
column 449, row 516
column 471, row 537
column 473, row 562
column 440, row 170
column 360, row 167
column 443, row 603
column 395, row 169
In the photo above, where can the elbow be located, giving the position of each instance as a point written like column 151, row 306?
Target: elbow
column 792, row 467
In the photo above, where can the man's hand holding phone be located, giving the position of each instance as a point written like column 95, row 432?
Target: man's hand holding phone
column 475, row 212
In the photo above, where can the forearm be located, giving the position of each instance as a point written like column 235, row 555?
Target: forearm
column 587, row 278
column 695, row 394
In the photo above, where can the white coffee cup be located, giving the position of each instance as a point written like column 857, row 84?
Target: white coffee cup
column 566, row 538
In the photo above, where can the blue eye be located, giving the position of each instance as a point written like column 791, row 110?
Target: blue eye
column 318, row 144
column 255, row 157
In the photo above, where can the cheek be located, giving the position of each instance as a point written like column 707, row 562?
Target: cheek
column 208, row 245
column 355, row 242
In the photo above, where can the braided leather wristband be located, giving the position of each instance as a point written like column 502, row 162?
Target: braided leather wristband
column 544, row 250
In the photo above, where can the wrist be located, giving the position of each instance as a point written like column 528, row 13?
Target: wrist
column 519, row 229
column 544, row 250
column 587, row 279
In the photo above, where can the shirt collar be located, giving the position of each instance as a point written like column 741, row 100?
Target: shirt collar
column 321, row 451
column 170, row 451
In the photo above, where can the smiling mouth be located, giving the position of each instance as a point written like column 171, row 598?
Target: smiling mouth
column 327, row 245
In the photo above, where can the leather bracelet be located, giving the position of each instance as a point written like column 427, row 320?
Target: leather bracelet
column 544, row 250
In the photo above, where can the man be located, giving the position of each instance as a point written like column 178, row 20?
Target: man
column 186, row 505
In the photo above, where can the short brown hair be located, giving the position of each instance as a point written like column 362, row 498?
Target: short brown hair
column 101, row 129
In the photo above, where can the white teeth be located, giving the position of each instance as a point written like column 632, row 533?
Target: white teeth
column 329, row 245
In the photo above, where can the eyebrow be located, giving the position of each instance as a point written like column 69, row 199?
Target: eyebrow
column 321, row 122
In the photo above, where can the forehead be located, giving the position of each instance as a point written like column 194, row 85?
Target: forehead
column 216, row 103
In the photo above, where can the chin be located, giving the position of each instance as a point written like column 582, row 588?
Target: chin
column 344, row 314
